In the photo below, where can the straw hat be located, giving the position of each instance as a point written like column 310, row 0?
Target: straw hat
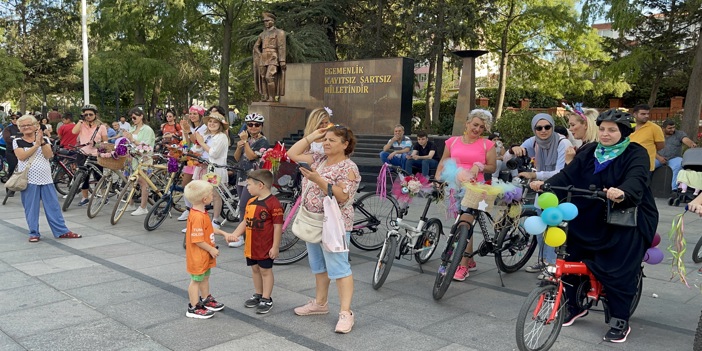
column 219, row 118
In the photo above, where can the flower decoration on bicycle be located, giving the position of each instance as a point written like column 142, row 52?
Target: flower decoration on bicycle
column 407, row 187
column 461, row 184
column 273, row 157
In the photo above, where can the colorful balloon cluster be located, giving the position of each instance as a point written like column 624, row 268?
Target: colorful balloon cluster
column 553, row 214
column 654, row 255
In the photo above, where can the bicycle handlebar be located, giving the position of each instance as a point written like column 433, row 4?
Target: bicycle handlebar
column 592, row 192
column 207, row 162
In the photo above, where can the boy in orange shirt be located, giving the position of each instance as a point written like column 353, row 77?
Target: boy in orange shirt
column 200, row 250
column 263, row 223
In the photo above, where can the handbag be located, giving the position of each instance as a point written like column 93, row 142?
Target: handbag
column 19, row 179
column 333, row 231
column 308, row 225
column 623, row 217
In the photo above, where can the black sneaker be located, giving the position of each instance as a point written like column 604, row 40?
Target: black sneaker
column 264, row 306
column 83, row 202
column 253, row 301
column 618, row 331
column 572, row 315
column 211, row 304
column 199, row 312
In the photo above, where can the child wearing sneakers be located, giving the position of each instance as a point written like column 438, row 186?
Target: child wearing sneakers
column 200, row 250
column 263, row 225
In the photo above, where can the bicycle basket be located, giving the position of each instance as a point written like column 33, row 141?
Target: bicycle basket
column 112, row 163
column 480, row 196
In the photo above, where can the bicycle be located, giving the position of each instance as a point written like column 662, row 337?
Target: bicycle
column 420, row 241
column 126, row 195
column 170, row 199
column 505, row 238
column 4, row 167
column 90, row 168
column 545, row 305
column 63, row 166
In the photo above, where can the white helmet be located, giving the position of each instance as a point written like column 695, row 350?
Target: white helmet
column 254, row 117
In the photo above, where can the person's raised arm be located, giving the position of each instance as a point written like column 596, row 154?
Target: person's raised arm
column 297, row 151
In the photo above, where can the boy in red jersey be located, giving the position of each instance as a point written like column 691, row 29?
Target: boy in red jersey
column 263, row 224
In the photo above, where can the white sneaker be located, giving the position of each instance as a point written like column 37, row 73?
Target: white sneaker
column 216, row 224
column 236, row 243
column 140, row 211
column 185, row 230
column 184, row 215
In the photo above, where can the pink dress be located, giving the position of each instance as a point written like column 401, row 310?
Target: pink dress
column 466, row 154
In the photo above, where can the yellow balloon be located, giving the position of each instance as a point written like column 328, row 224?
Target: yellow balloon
column 554, row 237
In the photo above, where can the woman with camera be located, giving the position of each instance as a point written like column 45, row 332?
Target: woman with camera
column 613, row 252
column 549, row 152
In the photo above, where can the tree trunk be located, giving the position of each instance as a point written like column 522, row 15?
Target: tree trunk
column 693, row 99
column 427, row 101
column 156, row 92
column 439, row 47
column 228, row 22
column 23, row 102
column 504, row 61
column 139, row 91
column 655, row 88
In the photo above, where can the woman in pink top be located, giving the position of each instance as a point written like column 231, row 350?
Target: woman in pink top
column 91, row 132
column 477, row 156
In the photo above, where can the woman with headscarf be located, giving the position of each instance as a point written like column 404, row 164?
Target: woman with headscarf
column 549, row 150
column 613, row 253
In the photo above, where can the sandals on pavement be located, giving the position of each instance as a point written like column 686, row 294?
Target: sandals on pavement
column 33, row 239
column 70, row 235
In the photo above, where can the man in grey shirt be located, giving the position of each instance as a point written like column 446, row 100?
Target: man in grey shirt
column 671, row 154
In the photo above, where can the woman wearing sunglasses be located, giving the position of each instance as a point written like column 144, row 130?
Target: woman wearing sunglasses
column 549, row 150
column 249, row 149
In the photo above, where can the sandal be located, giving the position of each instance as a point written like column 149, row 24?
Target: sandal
column 70, row 235
column 33, row 239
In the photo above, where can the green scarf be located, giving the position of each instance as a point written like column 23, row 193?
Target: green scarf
column 605, row 154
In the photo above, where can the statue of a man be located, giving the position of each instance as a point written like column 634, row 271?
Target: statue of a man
column 269, row 60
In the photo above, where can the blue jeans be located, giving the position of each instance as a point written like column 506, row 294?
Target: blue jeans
column 676, row 165
column 546, row 252
column 47, row 195
column 398, row 160
column 426, row 165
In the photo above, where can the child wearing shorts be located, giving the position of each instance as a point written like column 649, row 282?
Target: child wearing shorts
column 263, row 224
column 200, row 251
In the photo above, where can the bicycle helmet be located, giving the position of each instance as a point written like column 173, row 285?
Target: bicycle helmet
column 254, row 117
column 89, row 107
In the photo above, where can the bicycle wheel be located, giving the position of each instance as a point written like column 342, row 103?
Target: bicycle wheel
column 76, row 183
column 428, row 242
column 450, row 259
column 100, row 196
column 387, row 255
column 639, row 290
column 697, row 345
column 373, row 218
column 534, row 330
column 62, row 180
column 122, row 202
column 514, row 248
column 696, row 255
column 158, row 213
column 292, row 249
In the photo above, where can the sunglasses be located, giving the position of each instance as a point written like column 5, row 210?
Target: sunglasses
column 256, row 179
column 254, row 124
column 88, row 114
column 540, row 128
column 340, row 127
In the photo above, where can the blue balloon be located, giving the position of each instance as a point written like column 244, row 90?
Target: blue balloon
column 569, row 211
column 534, row 225
column 552, row 216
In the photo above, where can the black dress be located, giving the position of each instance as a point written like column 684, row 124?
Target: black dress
column 612, row 253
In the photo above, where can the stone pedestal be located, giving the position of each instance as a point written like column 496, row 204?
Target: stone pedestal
column 466, row 89
column 281, row 119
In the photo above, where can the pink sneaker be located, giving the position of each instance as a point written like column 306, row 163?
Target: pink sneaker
column 345, row 322
column 472, row 267
column 461, row 273
column 312, row 308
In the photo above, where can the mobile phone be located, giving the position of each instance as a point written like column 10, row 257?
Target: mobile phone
column 305, row 165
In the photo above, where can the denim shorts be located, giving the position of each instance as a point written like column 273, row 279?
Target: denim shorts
column 336, row 264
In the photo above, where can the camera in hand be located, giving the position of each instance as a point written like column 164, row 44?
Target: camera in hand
column 521, row 164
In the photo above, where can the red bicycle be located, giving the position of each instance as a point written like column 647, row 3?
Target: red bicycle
column 542, row 314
